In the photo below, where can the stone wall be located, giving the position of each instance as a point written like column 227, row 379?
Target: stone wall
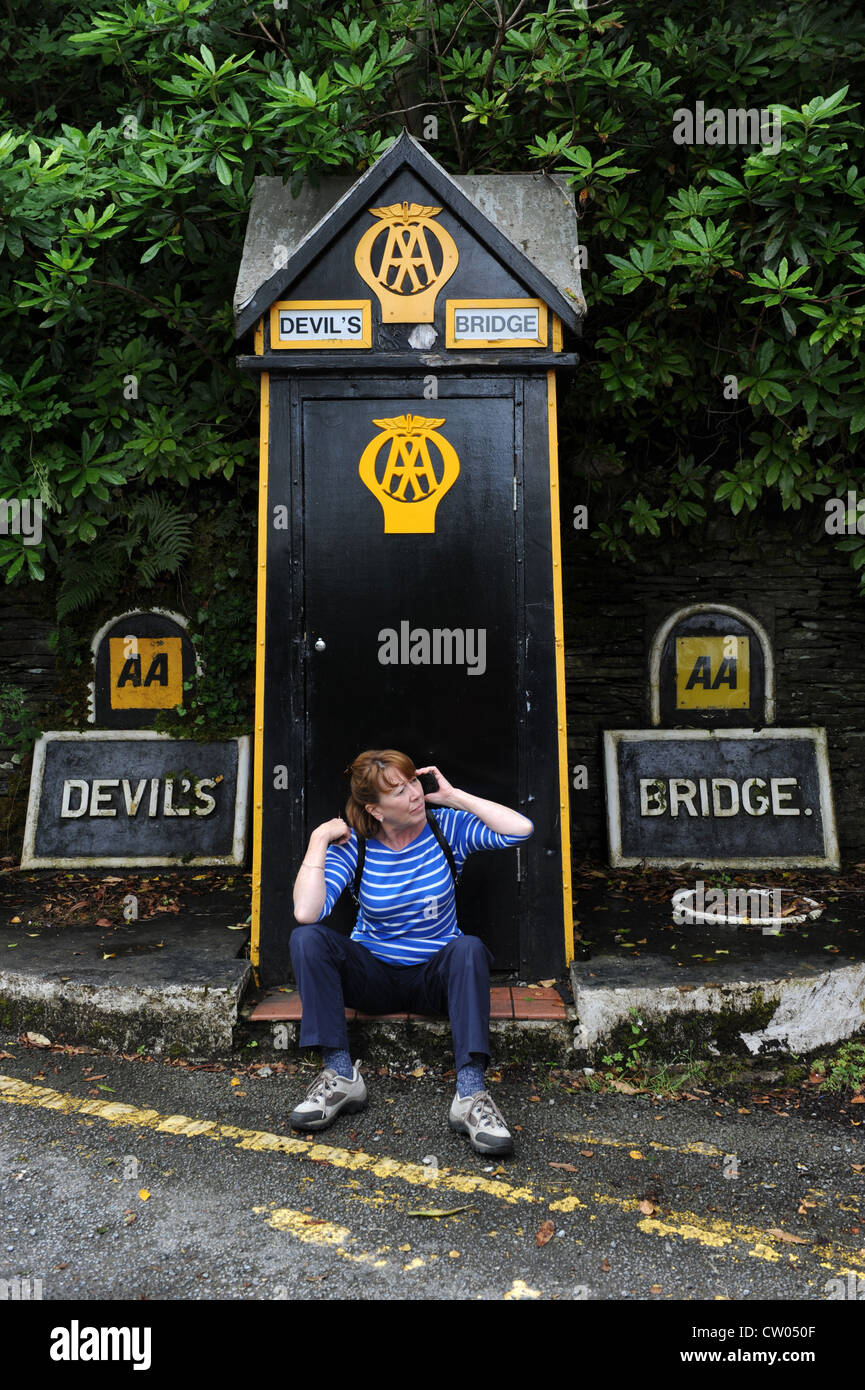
column 801, row 588
column 26, row 659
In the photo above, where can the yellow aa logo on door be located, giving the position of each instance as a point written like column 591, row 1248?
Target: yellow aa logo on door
column 146, row 672
column 409, row 467
column 713, row 673
column 405, row 258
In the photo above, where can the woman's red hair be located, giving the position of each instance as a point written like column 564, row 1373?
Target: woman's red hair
column 369, row 776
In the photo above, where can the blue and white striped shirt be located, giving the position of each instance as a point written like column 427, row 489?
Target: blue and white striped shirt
column 407, row 909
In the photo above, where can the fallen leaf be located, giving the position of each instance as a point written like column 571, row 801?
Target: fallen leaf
column 546, row 984
column 102, row 922
column 635, row 1153
column 647, row 1207
column 587, row 1153
column 857, row 1100
column 785, row 1235
column 624, row 1086
column 235, row 1081
column 37, row 1039
column 568, row 1167
column 451, row 1211
column 655, row 1288
column 143, row 1194
column 857, row 1167
column 14, row 919
column 546, row 1232
column 454, row 1254
column 129, row 1217
column 605, row 1265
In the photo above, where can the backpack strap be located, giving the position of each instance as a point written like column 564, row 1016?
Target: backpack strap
column 354, row 887
column 436, row 829
column 446, row 849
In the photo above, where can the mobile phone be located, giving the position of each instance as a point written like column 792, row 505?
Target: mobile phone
column 428, row 782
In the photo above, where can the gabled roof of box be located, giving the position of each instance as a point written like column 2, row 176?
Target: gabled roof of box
column 527, row 220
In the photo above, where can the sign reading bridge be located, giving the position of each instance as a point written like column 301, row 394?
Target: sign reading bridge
column 135, row 799
column 734, row 798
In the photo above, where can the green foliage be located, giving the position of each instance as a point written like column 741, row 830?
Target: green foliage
column 221, row 596
column 846, row 1070
column 629, row 1062
column 19, row 723
column 722, row 367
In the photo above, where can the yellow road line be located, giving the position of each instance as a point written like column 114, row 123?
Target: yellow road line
column 687, row 1225
column 705, row 1150
column 117, row 1113
column 312, row 1231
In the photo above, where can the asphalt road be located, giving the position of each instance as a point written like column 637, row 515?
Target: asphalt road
column 146, row 1180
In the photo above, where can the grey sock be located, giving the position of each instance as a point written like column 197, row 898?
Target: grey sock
column 339, row 1060
column 470, row 1079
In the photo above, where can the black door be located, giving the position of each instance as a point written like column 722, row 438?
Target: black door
column 409, row 636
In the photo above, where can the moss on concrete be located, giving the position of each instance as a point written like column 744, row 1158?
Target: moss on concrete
column 682, row 1033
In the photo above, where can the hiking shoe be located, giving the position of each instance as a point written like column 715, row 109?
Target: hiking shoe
column 328, row 1096
column 479, row 1117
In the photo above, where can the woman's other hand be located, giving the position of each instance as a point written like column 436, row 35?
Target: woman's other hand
column 445, row 794
column 332, row 832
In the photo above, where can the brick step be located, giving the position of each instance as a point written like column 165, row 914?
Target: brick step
column 518, row 1003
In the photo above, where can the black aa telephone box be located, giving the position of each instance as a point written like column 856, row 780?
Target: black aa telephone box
column 409, row 573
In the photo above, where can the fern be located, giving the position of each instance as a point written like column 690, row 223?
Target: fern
column 168, row 537
column 86, row 575
column 156, row 540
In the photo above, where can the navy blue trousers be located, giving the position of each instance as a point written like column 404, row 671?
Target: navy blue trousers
column 334, row 973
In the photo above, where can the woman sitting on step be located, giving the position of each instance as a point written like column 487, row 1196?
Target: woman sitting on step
column 406, row 952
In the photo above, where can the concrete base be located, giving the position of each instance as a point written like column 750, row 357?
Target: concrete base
column 776, row 1004
column 402, row 1042
column 159, row 989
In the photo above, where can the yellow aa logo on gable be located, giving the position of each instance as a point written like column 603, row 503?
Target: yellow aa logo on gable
column 405, row 258
column 713, row 673
column 146, row 672
column 407, row 481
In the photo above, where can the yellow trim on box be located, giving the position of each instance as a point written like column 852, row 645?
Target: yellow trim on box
column 451, row 340
column 258, row 777
column 557, row 333
column 259, row 337
column 558, row 618
column 302, row 306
